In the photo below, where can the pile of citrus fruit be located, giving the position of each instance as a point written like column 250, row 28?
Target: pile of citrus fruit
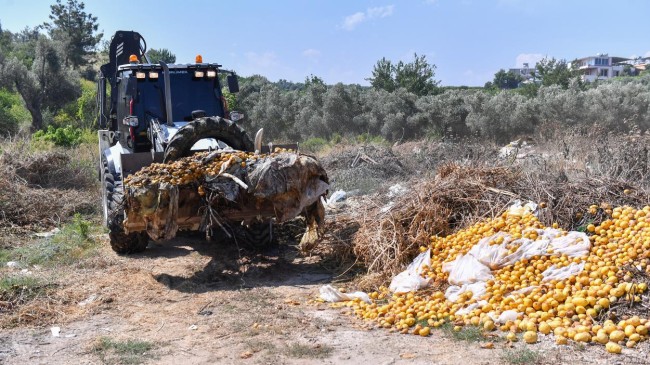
column 194, row 168
column 614, row 270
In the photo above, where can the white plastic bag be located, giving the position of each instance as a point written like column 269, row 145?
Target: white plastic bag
column 491, row 256
column 453, row 292
column 553, row 273
column 466, row 270
column 330, row 294
column 471, row 307
column 517, row 209
column 509, row 315
column 574, row 244
column 410, row 279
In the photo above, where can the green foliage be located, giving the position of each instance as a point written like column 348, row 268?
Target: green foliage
column 416, row 77
column 521, row 356
column 506, row 80
column 298, row 350
column 231, row 98
column 10, row 117
column 21, row 288
column 86, row 104
column 124, row 352
column 72, row 244
column 466, row 333
column 161, row 54
column 75, row 29
column 557, row 72
column 81, row 226
column 315, row 144
column 62, row 136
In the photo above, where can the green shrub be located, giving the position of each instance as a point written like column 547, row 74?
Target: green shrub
column 10, row 110
column 314, row 144
column 62, row 136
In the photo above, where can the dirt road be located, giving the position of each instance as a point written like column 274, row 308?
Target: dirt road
column 191, row 302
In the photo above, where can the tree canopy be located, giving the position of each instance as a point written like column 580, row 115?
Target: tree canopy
column 161, row 54
column 506, row 80
column 556, row 72
column 416, row 77
column 76, row 29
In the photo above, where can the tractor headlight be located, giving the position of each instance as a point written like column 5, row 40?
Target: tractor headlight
column 140, row 75
column 153, row 75
column 211, row 73
column 199, row 74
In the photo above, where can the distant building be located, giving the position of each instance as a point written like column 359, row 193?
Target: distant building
column 526, row 72
column 601, row 67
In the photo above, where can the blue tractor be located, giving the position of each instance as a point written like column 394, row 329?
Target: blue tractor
column 157, row 113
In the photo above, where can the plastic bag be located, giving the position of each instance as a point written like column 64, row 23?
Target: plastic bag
column 453, row 292
column 466, row 270
column 574, row 244
column 491, row 256
column 517, row 209
column 410, row 279
column 553, row 273
column 471, row 307
column 509, row 315
column 330, row 294
column 336, row 197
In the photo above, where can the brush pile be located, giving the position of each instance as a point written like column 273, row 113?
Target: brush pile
column 498, row 268
column 458, row 196
column 40, row 189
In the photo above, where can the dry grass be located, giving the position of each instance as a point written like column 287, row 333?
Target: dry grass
column 41, row 189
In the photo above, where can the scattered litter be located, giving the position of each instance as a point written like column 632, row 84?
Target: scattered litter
column 411, row 279
column 48, row 234
column 70, row 335
column 193, row 327
column 13, row 264
column 330, row 294
column 337, row 196
column 56, row 331
column 88, row 300
column 396, row 190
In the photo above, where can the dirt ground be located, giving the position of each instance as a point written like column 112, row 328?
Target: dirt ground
column 202, row 303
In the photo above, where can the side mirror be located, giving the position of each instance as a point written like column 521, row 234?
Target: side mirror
column 233, row 83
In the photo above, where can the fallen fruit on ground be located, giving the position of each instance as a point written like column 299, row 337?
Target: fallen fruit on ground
column 572, row 286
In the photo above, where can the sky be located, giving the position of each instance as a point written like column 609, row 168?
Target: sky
column 341, row 41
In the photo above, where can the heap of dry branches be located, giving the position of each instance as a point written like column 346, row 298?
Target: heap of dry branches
column 458, row 196
column 41, row 189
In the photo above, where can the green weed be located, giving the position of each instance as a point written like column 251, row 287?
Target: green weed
column 521, row 356
column 123, row 352
column 299, row 350
column 72, row 244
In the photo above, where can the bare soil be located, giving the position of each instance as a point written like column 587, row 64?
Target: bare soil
column 206, row 303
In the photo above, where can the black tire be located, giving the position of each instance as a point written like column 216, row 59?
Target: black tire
column 113, row 207
column 218, row 128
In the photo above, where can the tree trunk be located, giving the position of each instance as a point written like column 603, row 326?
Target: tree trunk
column 37, row 116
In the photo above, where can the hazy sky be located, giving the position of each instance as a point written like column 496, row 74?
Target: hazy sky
column 468, row 40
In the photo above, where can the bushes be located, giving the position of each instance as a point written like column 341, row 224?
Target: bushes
column 63, row 136
column 320, row 111
column 12, row 113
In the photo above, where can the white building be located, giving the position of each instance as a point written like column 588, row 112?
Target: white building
column 526, row 72
column 600, row 67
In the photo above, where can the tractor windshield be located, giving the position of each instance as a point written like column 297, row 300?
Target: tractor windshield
column 188, row 94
